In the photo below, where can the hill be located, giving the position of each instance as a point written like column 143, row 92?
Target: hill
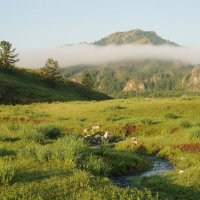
column 135, row 36
column 139, row 77
column 142, row 77
column 26, row 86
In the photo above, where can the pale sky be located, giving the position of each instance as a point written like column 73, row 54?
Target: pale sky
column 51, row 23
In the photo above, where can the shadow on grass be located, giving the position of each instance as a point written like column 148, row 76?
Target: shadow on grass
column 6, row 152
column 24, row 176
column 166, row 189
column 10, row 139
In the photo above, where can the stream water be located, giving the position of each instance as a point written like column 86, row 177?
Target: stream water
column 159, row 167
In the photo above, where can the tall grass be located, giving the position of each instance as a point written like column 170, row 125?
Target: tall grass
column 7, row 172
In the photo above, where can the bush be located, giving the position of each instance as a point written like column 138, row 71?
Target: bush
column 70, row 147
column 7, row 172
column 171, row 116
column 185, row 124
column 50, row 131
column 34, row 136
column 96, row 165
column 39, row 133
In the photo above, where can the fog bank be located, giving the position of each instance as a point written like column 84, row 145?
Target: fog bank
column 91, row 54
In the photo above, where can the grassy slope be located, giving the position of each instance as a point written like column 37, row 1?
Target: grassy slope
column 161, row 135
column 23, row 86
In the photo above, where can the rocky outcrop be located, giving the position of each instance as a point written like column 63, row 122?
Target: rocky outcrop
column 192, row 81
column 132, row 85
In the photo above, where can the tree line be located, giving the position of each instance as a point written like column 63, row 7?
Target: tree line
column 49, row 72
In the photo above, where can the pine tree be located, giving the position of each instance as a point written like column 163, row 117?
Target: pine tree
column 87, row 80
column 8, row 57
column 50, row 71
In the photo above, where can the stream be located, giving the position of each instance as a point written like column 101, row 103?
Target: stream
column 160, row 166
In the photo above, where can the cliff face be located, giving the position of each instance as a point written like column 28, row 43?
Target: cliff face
column 132, row 85
column 192, row 81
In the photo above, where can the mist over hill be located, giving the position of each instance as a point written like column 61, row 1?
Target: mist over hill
column 130, row 45
column 152, row 68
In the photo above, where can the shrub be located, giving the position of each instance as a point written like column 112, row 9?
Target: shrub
column 34, row 136
column 171, row 116
column 70, row 147
column 185, row 124
column 96, row 165
column 50, row 131
column 7, row 172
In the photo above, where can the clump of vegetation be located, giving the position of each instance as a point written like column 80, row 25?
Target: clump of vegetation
column 8, row 57
column 87, row 80
column 195, row 134
column 116, row 107
column 3, row 137
column 50, row 131
column 42, row 132
column 34, row 136
column 13, row 126
column 185, row 124
column 50, row 71
column 7, row 172
column 147, row 121
column 114, row 117
column 96, row 165
column 171, row 116
column 5, row 152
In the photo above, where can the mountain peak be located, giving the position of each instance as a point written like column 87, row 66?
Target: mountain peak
column 135, row 36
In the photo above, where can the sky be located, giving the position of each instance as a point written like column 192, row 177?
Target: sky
column 51, row 23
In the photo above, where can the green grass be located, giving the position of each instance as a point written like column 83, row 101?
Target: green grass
column 44, row 156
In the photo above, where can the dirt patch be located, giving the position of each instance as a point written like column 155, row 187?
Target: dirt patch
column 130, row 129
column 193, row 148
column 174, row 130
column 22, row 119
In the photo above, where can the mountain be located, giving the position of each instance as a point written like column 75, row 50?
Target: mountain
column 26, row 86
column 135, row 36
column 141, row 77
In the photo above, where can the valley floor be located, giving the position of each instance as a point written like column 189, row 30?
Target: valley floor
column 43, row 154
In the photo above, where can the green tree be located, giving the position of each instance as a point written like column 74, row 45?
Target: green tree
column 50, row 71
column 8, row 57
column 87, row 80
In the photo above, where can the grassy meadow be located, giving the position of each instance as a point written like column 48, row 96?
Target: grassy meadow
column 44, row 156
